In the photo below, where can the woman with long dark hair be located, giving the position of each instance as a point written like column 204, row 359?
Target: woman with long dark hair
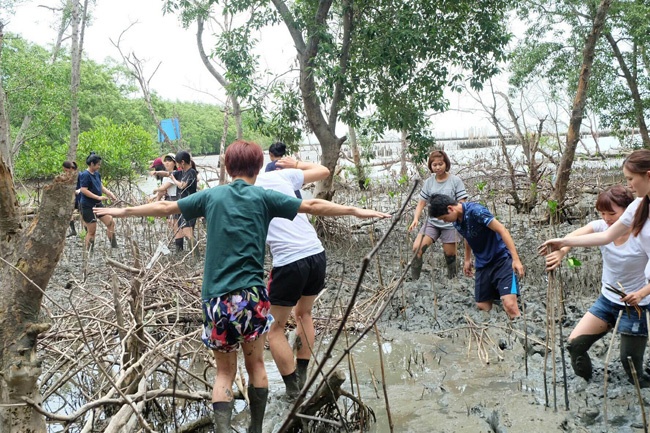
column 624, row 262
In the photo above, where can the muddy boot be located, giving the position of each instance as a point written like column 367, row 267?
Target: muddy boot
column 179, row 244
column 632, row 350
column 258, row 397
column 73, row 231
column 221, row 416
column 577, row 349
column 114, row 241
column 301, row 370
column 416, row 265
column 451, row 266
column 292, row 384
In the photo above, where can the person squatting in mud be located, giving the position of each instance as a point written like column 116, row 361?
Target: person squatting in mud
column 235, row 303
column 623, row 264
column 298, row 274
column 497, row 262
column 442, row 182
column 634, row 220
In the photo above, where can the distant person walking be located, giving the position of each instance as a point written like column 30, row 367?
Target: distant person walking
column 298, row 274
column 187, row 186
column 442, row 182
column 92, row 190
column 234, row 301
column 497, row 260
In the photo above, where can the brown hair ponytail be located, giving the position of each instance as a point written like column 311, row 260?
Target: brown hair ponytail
column 638, row 162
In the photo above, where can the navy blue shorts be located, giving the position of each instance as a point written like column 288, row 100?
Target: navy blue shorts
column 495, row 280
column 304, row 277
column 88, row 215
column 630, row 324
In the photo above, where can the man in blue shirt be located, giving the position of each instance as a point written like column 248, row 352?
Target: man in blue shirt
column 496, row 256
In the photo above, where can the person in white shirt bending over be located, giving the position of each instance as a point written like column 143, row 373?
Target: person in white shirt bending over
column 624, row 262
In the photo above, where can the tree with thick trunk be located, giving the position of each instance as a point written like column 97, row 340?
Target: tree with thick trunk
column 29, row 252
column 579, row 102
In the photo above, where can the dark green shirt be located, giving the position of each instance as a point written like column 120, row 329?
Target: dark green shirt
column 237, row 218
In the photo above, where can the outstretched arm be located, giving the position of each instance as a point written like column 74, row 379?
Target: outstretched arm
column 616, row 230
column 156, row 209
column 517, row 266
column 327, row 208
column 554, row 258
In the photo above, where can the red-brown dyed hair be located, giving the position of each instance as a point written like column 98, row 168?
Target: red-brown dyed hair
column 244, row 158
column 638, row 162
column 439, row 154
column 616, row 195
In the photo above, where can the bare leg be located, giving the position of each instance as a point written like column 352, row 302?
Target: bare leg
column 510, row 305
column 226, row 372
column 305, row 328
column 280, row 349
column 90, row 236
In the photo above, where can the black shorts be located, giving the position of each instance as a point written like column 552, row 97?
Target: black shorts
column 495, row 280
column 87, row 213
column 182, row 222
column 304, row 277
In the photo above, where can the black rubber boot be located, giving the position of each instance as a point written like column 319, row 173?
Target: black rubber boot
column 91, row 246
column 416, row 265
column 633, row 347
column 301, row 370
column 179, row 244
column 221, row 416
column 451, row 266
column 73, row 231
column 292, row 384
column 577, row 349
column 114, row 241
column 257, row 397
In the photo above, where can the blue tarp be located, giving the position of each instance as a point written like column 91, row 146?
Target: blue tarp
column 171, row 127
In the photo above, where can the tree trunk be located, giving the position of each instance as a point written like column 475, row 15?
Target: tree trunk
column 323, row 128
column 578, row 109
column 27, row 262
column 634, row 90
column 356, row 157
column 404, row 148
column 74, row 82
column 236, row 107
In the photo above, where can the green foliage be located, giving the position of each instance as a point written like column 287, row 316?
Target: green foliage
column 283, row 120
column 38, row 89
column 541, row 57
column 552, row 207
column 125, row 149
column 40, row 160
column 573, row 262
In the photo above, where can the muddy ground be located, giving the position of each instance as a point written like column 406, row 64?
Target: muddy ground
column 447, row 366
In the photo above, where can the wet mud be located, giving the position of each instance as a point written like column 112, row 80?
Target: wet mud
column 439, row 376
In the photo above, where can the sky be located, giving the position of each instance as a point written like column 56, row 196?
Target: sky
column 160, row 39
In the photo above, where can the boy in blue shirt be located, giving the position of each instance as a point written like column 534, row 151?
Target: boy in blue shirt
column 496, row 256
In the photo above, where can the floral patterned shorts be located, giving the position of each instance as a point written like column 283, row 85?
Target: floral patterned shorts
column 237, row 317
